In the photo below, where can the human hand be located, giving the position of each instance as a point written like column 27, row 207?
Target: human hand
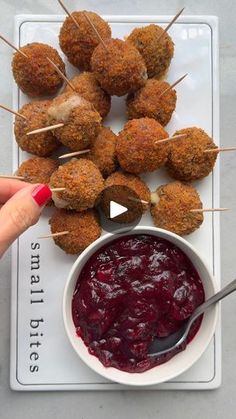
column 20, row 207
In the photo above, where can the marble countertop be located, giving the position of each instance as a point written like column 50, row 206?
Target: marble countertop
column 215, row 404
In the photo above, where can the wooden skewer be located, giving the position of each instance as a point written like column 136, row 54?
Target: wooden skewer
column 57, row 189
column 13, row 112
column 49, row 128
column 209, row 210
column 171, row 23
column 131, row 198
column 49, row 236
column 12, row 177
column 175, row 137
column 219, row 149
column 173, row 85
column 61, row 74
column 12, row 46
column 95, row 30
column 75, row 153
column 68, row 13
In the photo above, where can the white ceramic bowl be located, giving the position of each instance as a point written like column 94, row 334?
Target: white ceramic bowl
column 179, row 363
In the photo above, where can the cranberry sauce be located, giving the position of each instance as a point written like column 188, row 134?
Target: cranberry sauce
column 132, row 290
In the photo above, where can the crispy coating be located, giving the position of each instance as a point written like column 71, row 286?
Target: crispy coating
column 187, row 160
column 172, row 212
column 37, row 170
column 103, row 151
column 34, row 75
column 83, row 182
column 43, row 144
column 78, row 44
column 87, row 86
column 83, row 229
column 147, row 102
column 120, row 68
column 136, row 147
column 82, row 122
column 131, row 183
column 156, row 53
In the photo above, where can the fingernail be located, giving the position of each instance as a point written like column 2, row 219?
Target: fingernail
column 41, row 194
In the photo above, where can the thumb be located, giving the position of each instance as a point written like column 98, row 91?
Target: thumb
column 20, row 212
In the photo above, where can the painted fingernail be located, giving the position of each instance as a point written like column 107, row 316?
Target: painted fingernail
column 41, row 194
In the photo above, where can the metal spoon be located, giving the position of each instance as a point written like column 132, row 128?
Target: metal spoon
column 161, row 346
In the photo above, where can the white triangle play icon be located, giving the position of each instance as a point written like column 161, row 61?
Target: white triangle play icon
column 116, row 209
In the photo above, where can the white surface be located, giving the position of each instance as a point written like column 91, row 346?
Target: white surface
column 134, row 405
column 56, row 367
column 178, row 364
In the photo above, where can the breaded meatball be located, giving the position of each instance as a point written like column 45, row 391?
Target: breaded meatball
column 83, row 182
column 137, row 146
column 78, row 44
column 120, row 68
column 126, row 183
column 82, row 122
column 34, row 75
column 172, row 210
column 43, row 144
column 37, row 170
column 157, row 52
column 103, row 151
column 83, row 228
column 87, row 86
column 187, row 160
column 148, row 102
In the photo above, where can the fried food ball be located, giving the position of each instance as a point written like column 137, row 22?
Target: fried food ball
column 119, row 187
column 82, row 122
column 37, row 170
column 157, row 52
column 83, row 185
column 83, row 228
column 136, row 147
column 187, row 160
column 87, row 86
column 42, row 144
column 78, row 44
column 172, row 210
column 148, row 102
column 103, row 151
column 120, row 68
column 34, row 75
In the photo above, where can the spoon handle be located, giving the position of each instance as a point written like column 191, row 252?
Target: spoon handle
column 228, row 289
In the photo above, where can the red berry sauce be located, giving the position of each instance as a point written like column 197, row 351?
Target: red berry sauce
column 132, row 290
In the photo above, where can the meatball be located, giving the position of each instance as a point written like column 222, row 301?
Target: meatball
column 187, row 160
column 83, row 183
column 120, row 68
column 102, row 151
column 148, row 102
column 34, row 75
column 130, row 189
column 78, row 44
column 172, row 210
column 157, row 52
column 87, row 86
column 82, row 122
column 43, row 144
column 83, row 229
column 37, row 170
column 137, row 146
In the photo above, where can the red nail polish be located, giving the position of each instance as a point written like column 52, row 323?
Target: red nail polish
column 41, row 194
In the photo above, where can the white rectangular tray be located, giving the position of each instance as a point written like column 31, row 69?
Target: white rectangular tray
column 42, row 358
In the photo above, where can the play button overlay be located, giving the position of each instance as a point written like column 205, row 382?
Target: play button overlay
column 116, row 209
column 120, row 209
